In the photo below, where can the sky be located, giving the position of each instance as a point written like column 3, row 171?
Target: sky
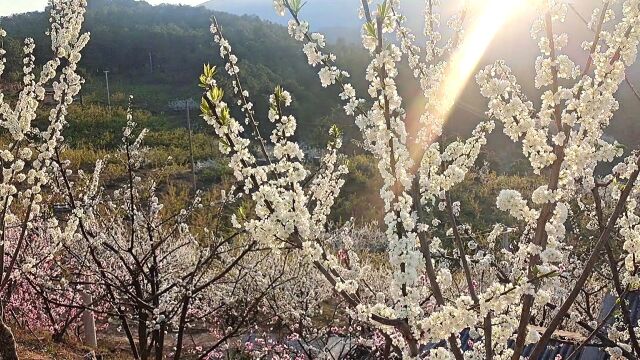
column 10, row 7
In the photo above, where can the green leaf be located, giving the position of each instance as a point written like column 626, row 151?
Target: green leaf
column 208, row 73
column 225, row 116
column 224, row 143
column 383, row 9
column 335, row 131
column 216, row 94
column 371, row 29
column 335, row 136
column 204, row 107
column 296, row 5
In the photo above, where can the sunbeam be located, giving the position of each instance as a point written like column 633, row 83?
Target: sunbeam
column 492, row 16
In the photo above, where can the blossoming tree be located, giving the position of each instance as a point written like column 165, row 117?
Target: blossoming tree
column 505, row 298
column 146, row 270
column 26, row 159
column 260, row 287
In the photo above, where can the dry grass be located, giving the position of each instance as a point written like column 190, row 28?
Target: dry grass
column 40, row 346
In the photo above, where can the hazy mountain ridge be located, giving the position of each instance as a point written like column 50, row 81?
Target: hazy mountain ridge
column 323, row 14
column 125, row 32
column 334, row 18
column 156, row 53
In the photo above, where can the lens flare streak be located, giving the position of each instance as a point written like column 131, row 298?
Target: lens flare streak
column 493, row 16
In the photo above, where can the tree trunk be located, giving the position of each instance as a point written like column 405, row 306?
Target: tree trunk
column 7, row 343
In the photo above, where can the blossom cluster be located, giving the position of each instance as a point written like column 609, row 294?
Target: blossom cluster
column 564, row 138
column 27, row 159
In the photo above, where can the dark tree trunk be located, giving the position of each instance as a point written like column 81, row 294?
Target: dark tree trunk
column 58, row 337
column 7, row 343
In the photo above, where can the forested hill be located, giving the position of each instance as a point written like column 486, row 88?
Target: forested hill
column 157, row 53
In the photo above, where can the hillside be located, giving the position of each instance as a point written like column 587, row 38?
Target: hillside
column 156, row 53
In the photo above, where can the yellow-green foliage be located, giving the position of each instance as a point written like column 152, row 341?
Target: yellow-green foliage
column 360, row 196
column 100, row 128
column 85, row 159
column 477, row 196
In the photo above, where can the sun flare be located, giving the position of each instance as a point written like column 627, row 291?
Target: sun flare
column 492, row 16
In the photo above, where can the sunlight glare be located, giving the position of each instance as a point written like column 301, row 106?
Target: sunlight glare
column 492, row 16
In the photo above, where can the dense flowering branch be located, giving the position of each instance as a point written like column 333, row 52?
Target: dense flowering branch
column 579, row 115
column 27, row 157
column 146, row 266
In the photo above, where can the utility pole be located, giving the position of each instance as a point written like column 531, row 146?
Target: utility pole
column 106, row 76
column 88, row 320
column 61, row 212
column 187, row 104
column 505, row 239
column 150, row 62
